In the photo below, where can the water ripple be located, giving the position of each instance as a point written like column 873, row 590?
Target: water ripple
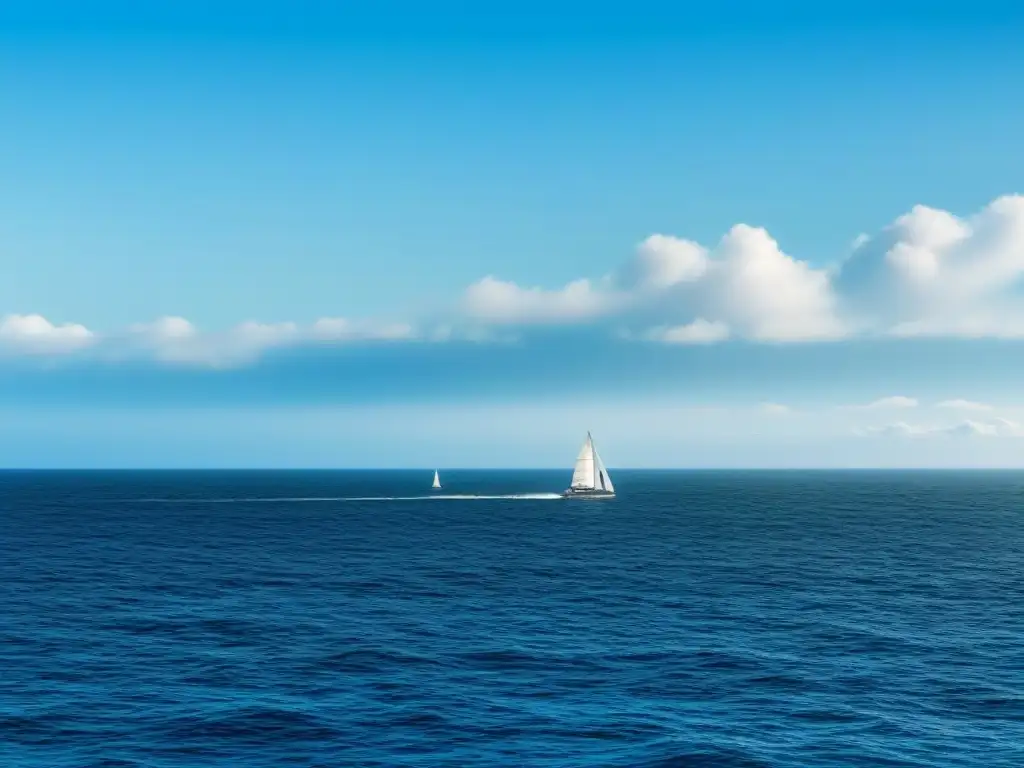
column 757, row 620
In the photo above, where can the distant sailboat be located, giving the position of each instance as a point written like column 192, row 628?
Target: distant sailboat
column 437, row 481
column 589, row 476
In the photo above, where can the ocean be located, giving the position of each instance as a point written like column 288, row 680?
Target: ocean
column 250, row 619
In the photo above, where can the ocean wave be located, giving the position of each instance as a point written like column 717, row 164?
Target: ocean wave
column 254, row 725
column 700, row 622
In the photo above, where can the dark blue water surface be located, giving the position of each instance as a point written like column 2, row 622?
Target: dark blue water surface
column 699, row 619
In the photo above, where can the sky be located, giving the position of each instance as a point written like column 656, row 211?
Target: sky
column 408, row 234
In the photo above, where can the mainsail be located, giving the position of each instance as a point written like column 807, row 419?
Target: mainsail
column 583, row 472
column 589, row 472
column 437, row 480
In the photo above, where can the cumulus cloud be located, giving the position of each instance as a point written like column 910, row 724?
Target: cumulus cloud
column 928, row 273
column 745, row 286
column 776, row 409
column 662, row 261
column 768, row 295
column 34, row 334
column 932, row 273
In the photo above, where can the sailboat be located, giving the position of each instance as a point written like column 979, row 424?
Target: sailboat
column 589, row 476
column 437, row 481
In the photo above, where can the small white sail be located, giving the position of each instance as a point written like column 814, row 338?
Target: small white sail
column 603, row 481
column 437, row 480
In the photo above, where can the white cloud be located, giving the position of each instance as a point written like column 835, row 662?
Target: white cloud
column 35, row 335
column 895, row 401
column 1008, row 427
column 343, row 329
column 662, row 261
column 776, row 409
column 745, row 286
column 166, row 328
column 175, row 340
column 896, row 429
column 700, row 331
column 502, row 302
column 928, row 273
column 931, row 273
column 967, row 428
column 766, row 294
column 964, row 405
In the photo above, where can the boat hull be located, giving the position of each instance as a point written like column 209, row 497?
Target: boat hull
column 586, row 493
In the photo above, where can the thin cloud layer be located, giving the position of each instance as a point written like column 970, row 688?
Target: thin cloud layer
column 963, row 405
column 993, row 426
column 969, row 428
column 700, row 331
column 895, row 401
column 929, row 273
column 175, row 340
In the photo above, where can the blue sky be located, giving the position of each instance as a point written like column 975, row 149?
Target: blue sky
column 272, row 234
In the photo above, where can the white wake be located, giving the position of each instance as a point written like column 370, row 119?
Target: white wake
column 291, row 499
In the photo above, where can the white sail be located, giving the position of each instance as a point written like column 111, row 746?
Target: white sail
column 437, row 480
column 583, row 472
column 602, row 480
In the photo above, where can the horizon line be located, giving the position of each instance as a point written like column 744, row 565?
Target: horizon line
column 911, row 468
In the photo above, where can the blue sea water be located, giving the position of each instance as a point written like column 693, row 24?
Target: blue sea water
column 193, row 619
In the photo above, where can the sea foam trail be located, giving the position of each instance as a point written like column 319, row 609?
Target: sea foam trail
column 289, row 499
